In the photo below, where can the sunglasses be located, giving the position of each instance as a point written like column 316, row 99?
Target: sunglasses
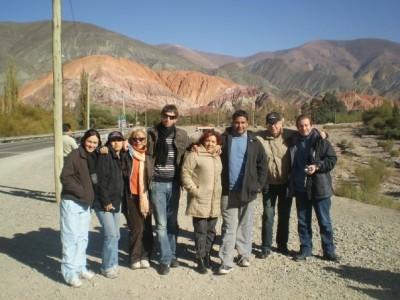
column 169, row 117
column 138, row 139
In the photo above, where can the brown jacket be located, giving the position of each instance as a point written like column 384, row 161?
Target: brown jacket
column 278, row 156
column 201, row 177
column 75, row 178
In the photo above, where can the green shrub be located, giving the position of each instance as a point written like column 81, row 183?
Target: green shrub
column 395, row 153
column 386, row 145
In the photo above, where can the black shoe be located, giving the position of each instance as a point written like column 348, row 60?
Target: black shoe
column 264, row 254
column 301, row 256
column 174, row 263
column 201, row 268
column 283, row 250
column 331, row 257
column 163, row 269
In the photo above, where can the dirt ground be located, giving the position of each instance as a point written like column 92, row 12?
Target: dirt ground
column 367, row 240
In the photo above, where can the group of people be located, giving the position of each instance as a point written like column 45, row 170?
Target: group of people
column 223, row 173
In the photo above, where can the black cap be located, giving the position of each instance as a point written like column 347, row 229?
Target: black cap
column 115, row 136
column 273, row 117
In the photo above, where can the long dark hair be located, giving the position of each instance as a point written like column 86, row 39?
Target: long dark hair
column 88, row 134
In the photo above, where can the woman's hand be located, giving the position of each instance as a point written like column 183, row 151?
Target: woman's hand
column 109, row 207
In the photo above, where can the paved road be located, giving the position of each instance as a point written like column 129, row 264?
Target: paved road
column 10, row 149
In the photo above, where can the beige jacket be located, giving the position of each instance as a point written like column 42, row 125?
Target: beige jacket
column 278, row 156
column 201, row 177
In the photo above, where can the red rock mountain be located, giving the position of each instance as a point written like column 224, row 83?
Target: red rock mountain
column 113, row 80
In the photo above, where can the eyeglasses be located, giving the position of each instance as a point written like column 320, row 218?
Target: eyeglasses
column 138, row 139
column 165, row 116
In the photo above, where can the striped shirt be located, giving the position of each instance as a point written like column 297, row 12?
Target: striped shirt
column 166, row 173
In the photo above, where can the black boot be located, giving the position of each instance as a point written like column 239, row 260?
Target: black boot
column 201, row 268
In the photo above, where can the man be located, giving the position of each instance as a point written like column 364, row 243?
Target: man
column 166, row 147
column 244, row 174
column 274, row 140
column 69, row 142
column 312, row 160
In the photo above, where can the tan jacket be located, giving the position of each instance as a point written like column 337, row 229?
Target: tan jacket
column 201, row 177
column 278, row 156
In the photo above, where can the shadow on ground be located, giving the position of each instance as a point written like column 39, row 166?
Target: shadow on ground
column 26, row 193
column 41, row 250
column 387, row 283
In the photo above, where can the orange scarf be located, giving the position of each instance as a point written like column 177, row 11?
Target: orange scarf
column 138, row 180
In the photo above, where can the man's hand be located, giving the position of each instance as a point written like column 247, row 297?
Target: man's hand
column 311, row 169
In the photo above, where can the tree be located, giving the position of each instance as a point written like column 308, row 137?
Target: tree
column 83, row 98
column 10, row 97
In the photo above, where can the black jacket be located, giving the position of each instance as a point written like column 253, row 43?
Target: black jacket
column 255, row 175
column 110, row 186
column 322, row 154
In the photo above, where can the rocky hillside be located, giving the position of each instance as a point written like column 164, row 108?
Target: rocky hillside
column 113, row 80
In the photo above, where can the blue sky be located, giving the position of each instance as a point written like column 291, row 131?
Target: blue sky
column 235, row 27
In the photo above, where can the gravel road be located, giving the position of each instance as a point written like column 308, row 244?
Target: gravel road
column 367, row 238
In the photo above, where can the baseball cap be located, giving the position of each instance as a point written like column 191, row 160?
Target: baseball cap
column 273, row 117
column 115, row 136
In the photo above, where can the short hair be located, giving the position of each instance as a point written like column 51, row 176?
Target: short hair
column 170, row 108
column 88, row 134
column 240, row 113
column 210, row 132
column 303, row 117
column 66, row 127
column 136, row 130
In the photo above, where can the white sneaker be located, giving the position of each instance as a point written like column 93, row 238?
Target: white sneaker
column 136, row 265
column 144, row 263
column 87, row 275
column 243, row 262
column 223, row 270
column 110, row 273
column 75, row 282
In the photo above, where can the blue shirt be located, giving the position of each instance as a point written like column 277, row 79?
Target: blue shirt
column 237, row 161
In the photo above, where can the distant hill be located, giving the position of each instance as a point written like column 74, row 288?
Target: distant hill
column 366, row 65
column 113, row 80
column 363, row 66
column 30, row 46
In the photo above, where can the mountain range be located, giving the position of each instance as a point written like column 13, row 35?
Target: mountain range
column 358, row 67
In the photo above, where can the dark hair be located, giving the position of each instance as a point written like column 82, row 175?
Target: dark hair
column 66, row 127
column 88, row 134
column 210, row 132
column 240, row 113
column 170, row 108
column 301, row 118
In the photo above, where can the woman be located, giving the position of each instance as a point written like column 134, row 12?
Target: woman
column 110, row 189
column 201, row 177
column 137, row 207
column 77, row 197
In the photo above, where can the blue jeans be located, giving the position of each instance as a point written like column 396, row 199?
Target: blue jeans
column 165, row 200
column 276, row 193
column 304, row 216
column 110, row 228
column 74, row 229
column 237, row 227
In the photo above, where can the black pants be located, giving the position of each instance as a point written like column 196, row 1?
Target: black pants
column 140, row 231
column 276, row 192
column 204, row 235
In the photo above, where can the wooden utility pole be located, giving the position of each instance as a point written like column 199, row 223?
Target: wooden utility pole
column 57, row 100
column 88, row 103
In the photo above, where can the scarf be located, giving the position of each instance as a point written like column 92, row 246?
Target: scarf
column 91, row 161
column 138, row 176
column 161, row 146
